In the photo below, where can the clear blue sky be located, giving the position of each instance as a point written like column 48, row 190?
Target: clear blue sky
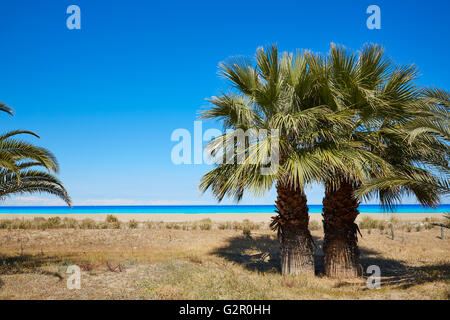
column 105, row 99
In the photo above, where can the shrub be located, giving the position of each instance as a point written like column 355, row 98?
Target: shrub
column 205, row 224
column 154, row 224
column 394, row 221
column 247, row 224
column 53, row 222
column 132, row 224
column 39, row 223
column 70, row 223
column 5, row 224
column 247, row 232
column 225, row 225
column 115, row 225
column 21, row 224
column 102, row 225
column 170, row 225
column 111, row 219
column 88, row 224
column 314, row 225
column 368, row 223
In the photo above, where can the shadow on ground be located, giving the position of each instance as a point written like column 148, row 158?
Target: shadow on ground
column 262, row 254
column 28, row 264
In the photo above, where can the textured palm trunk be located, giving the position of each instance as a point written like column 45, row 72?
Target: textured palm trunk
column 340, row 246
column 296, row 244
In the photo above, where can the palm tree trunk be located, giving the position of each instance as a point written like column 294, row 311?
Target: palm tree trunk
column 296, row 244
column 340, row 246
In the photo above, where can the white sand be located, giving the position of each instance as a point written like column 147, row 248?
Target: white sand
column 177, row 217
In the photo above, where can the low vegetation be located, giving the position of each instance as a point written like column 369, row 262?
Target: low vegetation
column 384, row 226
column 232, row 260
column 112, row 222
column 245, row 226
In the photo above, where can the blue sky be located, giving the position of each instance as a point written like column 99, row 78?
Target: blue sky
column 105, row 99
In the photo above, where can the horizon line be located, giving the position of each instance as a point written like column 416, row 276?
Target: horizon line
column 199, row 205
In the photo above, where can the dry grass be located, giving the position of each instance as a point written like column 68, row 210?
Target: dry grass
column 409, row 226
column 112, row 222
column 208, row 260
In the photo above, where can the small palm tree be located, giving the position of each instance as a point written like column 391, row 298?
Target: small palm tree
column 21, row 165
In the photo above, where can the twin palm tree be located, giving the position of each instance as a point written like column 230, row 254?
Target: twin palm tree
column 25, row 168
column 355, row 123
column 281, row 94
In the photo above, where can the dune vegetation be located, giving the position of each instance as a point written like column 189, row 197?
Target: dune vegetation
column 211, row 260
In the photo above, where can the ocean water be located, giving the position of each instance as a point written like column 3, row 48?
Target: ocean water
column 365, row 208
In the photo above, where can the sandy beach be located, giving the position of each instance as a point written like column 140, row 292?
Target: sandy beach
column 219, row 217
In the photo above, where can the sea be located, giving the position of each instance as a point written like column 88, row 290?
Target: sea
column 210, row 209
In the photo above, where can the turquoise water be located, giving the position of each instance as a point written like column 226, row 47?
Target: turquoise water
column 408, row 208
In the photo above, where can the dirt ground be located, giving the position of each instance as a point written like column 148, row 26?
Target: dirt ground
column 210, row 264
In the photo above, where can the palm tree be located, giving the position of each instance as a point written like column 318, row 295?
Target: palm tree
column 21, row 165
column 281, row 94
column 391, row 114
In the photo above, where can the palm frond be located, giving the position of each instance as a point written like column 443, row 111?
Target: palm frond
column 31, row 181
column 6, row 108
